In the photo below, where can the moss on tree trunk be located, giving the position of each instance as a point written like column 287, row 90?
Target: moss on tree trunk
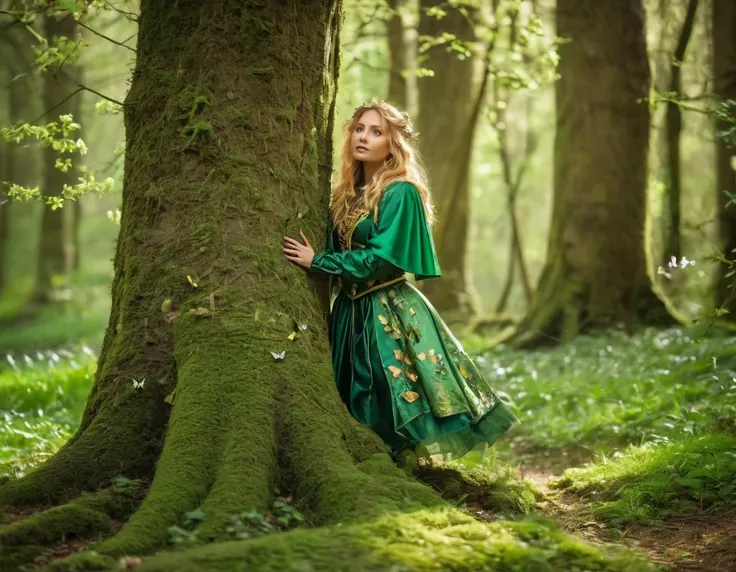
column 724, row 70
column 446, row 129
column 595, row 275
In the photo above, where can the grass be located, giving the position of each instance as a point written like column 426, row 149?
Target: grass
column 658, row 409
column 612, row 391
column 42, row 396
column 653, row 481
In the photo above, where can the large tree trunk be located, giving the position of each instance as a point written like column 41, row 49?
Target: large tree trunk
column 55, row 255
column 724, row 69
column 397, row 52
column 227, row 149
column 446, row 124
column 595, row 275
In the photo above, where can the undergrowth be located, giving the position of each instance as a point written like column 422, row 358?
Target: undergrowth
column 652, row 481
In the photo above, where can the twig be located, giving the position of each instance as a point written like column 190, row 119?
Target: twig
column 132, row 16
column 86, row 27
column 62, row 102
column 102, row 95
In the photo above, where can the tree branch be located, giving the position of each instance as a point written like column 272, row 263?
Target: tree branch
column 45, row 113
column 131, row 16
column 95, row 32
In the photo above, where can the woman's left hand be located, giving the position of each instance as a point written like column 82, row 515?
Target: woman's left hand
column 298, row 253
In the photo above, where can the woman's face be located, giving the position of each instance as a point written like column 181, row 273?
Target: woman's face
column 369, row 141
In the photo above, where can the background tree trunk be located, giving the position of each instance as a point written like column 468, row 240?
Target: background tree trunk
column 446, row 125
column 724, row 69
column 673, row 186
column 55, row 254
column 595, row 275
column 397, row 51
column 17, row 164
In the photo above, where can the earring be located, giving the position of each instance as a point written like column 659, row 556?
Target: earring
column 390, row 156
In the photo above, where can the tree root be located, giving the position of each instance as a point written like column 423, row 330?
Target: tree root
column 85, row 516
column 496, row 491
column 441, row 538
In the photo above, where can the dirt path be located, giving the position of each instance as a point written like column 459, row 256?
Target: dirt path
column 705, row 542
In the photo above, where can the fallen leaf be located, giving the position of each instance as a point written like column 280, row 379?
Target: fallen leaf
column 192, row 282
column 129, row 562
column 388, row 329
column 199, row 311
column 411, row 375
column 169, row 398
column 166, row 306
column 396, row 334
column 292, row 336
column 399, row 355
column 422, row 356
column 412, row 311
column 392, row 294
column 383, row 319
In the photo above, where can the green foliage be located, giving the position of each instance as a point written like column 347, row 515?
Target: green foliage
column 655, row 481
column 60, row 51
column 59, row 136
column 42, row 397
column 614, row 390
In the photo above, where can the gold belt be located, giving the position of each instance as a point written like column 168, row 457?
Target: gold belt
column 353, row 293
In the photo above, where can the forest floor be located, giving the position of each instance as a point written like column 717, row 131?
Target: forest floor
column 628, row 441
column 631, row 441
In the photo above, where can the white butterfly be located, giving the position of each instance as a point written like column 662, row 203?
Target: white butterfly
column 281, row 355
column 302, row 327
column 138, row 384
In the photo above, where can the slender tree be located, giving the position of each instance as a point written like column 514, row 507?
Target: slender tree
column 724, row 69
column 446, row 122
column 595, row 274
column 673, row 187
column 398, row 53
column 55, row 257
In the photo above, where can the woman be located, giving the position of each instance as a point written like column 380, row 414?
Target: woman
column 397, row 366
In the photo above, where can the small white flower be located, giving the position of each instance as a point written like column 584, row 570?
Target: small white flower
column 11, row 360
column 662, row 271
column 672, row 263
column 684, row 262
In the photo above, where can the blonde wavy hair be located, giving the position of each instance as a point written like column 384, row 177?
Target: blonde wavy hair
column 402, row 164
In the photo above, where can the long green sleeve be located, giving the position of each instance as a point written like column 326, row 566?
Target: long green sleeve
column 401, row 238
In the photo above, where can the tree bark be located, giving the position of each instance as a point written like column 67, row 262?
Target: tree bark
column 446, row 125
column 724, row 69
column 397, row 94
column 672, row 246
column 595, row 275
column 55, row 254
column 227, row 149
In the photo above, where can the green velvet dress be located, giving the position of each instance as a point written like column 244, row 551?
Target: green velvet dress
column 397, row 366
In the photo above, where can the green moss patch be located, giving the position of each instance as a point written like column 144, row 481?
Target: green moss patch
column 655, row 481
